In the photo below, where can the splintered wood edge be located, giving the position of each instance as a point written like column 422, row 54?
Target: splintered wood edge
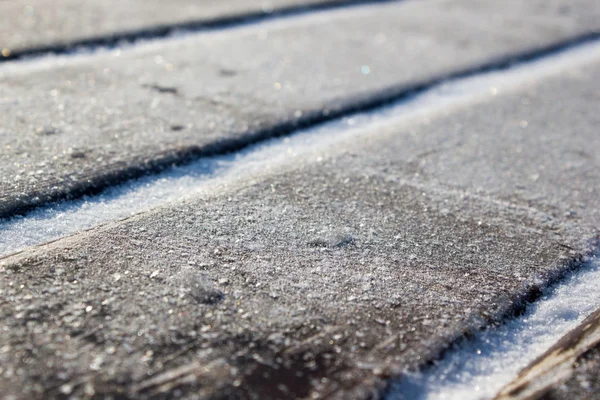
column 555, row 365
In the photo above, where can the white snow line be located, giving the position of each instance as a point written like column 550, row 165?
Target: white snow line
column 479, row 368
column 178, row 29
column 257, row 26
column 61, row 219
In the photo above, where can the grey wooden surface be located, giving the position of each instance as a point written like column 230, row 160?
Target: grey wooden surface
column 325, row 276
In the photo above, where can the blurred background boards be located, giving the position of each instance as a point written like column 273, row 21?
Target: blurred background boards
column 74, row 125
